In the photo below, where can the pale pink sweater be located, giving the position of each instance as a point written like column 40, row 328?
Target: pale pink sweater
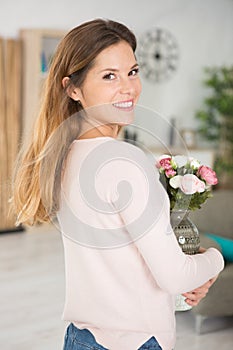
column 122, row 261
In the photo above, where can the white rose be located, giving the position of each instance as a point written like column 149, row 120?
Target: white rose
column 194, row 163
column 190, row 184
column 175, row 181
column 180, row 160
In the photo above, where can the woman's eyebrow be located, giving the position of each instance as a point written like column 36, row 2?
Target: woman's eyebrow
column 117, row 70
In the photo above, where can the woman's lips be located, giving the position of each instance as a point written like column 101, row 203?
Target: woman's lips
column 124, row 105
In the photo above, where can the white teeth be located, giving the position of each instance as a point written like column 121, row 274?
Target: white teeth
column 123, row 104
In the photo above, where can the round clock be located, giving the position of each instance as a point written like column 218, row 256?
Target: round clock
column 157, row 54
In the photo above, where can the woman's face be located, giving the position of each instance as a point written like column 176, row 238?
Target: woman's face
column 112, row 81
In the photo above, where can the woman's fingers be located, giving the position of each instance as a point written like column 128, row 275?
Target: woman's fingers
column 195, row 296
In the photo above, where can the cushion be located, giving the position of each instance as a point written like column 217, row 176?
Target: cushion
column 216, row 214
column 226, row 245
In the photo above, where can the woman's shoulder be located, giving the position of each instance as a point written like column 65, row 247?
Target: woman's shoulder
column 127, row 158
column 137, row 154
column 113, row 154
column 130, row 148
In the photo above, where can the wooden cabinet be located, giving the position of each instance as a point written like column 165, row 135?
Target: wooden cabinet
column 38, row 48
column 10, row 119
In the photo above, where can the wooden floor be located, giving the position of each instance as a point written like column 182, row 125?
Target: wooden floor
column 32, row 296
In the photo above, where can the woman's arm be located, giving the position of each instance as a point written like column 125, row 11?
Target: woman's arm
column 147, row 219
column 194, row 297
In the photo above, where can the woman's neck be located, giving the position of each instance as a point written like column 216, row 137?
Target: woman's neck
column 110, row 130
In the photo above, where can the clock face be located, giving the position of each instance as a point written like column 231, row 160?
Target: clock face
column 157, row 55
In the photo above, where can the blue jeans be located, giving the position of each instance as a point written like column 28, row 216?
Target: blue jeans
column 83, row 339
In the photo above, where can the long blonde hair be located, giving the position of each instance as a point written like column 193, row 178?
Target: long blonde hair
column 73, row 58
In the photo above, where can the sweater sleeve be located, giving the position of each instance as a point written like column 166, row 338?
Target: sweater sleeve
column 146, row 217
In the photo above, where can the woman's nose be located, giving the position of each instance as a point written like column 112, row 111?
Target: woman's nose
column 126, row 86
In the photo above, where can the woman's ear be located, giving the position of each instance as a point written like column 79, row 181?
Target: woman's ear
column 72, row 91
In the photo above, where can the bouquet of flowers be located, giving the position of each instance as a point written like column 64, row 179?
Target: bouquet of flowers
column 187, row 182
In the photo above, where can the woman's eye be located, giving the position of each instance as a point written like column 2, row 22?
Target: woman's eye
column 134, row 71
column 109, row 76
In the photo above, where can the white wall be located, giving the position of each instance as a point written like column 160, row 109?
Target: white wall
column 203, row 29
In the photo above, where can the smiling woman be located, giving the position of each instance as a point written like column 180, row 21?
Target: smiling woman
column 122, row 260
column 79, row 73
column 118, row 86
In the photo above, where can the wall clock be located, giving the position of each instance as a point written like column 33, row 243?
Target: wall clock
column 157, row 54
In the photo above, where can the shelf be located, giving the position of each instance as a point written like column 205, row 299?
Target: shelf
column 203, row 155
column 38, row 48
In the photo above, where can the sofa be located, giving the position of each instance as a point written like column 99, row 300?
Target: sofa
column 216, row 218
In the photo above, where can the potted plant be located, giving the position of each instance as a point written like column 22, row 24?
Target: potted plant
column 216, row 120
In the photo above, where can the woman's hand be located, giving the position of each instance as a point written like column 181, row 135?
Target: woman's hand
column 194, row 297
column 202, row 250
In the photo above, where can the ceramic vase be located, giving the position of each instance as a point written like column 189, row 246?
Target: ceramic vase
column 189, row 241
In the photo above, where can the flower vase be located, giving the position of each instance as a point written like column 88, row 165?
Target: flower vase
column 189, row 241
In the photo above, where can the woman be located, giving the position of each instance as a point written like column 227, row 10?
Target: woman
column 123, row 263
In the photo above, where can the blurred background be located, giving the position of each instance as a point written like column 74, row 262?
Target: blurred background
column 185, row 50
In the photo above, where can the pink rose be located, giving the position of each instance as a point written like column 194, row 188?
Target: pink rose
column 170, row 172
column 164, row 162
column 207, row 174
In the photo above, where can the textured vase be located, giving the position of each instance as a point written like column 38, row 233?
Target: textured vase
column 189, row 241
